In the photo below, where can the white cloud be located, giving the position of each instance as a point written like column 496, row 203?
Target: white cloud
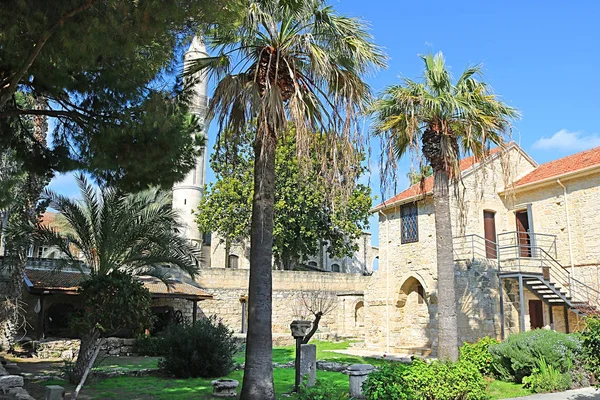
column 567, row 141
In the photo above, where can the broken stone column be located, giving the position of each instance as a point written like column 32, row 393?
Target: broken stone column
column 358, row 374
column 54, row 392
column 308, row 364
column 225, row 388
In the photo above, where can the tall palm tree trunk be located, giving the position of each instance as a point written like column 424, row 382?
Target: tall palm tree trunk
column 258, row 372
column 447, row 330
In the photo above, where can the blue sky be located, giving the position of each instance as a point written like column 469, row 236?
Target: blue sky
column 541, row 57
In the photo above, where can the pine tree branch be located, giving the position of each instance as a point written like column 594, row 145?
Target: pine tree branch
column 7, row 90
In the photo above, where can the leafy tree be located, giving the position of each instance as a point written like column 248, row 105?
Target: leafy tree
column 134, row 233
column 20, row 210
column 103, row 69
column 415, row 176
column 286, row 62
column 304, row 216
column 443, row 119
column 112, row 302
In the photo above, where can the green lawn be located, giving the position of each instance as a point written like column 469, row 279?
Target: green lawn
column 284, row 354
column 506, row 390
column 151, row 387
column 126, row 363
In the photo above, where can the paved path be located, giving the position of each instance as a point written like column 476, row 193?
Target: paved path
column 577, row 394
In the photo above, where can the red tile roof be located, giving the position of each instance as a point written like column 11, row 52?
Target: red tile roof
column 48, row 219
column 54, row 280
column 69, row 281
column 562, row 166
column 426, row 186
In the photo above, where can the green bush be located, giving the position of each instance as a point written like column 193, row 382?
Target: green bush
column 321, row 391
column 204, row 349
column 590, row 340
column 146, row 345
column 546, row 379
column 479, row 354
column 518, row 356
column 445, row 381
column 426, row 381
column 387, row 383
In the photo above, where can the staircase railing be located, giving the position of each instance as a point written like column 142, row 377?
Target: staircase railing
column 528, row 252
column 472, row 247
column 536, row 253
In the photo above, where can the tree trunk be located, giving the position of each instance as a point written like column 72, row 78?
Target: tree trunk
column 313, row 330
column 89, row 367
column 258, row 372
column 87, row 349
column 447, row 331
column 227, row 250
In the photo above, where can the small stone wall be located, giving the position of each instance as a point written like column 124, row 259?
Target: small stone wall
column 69, row 348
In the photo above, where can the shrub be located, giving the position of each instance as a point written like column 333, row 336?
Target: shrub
column 546, row 379
column 146, row 345
column 426, row 381
column 445, row 381
column 590, row 340
column 204, row 349
column 479, row 354
column 518, row 356
column 321, row 391
column 387, row 383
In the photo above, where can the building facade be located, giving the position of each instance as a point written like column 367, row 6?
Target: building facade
column 527, row 252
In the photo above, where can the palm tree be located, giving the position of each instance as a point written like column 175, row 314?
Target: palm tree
column 443, row 120
column 109, row 231
column 287, row 61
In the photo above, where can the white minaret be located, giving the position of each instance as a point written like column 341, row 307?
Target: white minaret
column 187, row 193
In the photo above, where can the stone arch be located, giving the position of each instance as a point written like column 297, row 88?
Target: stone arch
column 359, row 314
column 413, row 315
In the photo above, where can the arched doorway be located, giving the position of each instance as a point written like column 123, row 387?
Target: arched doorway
column 359, row 314
column 413, row 315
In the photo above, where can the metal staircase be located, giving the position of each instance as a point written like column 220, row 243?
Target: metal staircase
column 530, row 259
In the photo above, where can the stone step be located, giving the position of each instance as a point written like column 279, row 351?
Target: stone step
column 416, row 351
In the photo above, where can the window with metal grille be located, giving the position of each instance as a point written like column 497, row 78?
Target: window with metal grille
column 410, row 224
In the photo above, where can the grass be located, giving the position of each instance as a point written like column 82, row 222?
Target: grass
column 126, row 363
column 152, row 387
column 285, row 354
column 506, row 390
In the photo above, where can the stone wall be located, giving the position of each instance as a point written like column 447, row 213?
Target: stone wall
column 361, row 261
column 68, row 349
column 230, row 289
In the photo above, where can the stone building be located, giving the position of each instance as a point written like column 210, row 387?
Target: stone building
column 527, row 252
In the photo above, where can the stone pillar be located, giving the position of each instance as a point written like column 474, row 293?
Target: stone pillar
column 54, row 392
column 308, row 363
column 358, row 374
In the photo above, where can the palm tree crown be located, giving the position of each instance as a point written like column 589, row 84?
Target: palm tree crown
column 447, row 119
column 290, row 61
column 137, row 233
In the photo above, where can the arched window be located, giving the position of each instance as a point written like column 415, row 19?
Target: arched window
column 335, row 267
column 375, row 264
column 233, row 261
column 312, row 263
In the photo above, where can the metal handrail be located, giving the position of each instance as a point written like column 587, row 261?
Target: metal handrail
column 540, row 249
